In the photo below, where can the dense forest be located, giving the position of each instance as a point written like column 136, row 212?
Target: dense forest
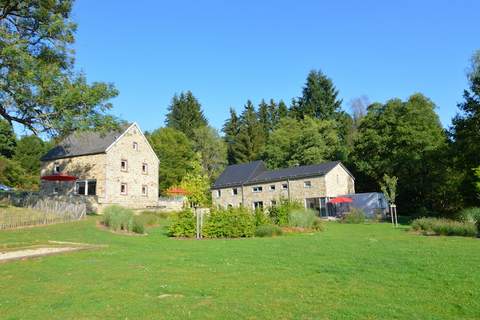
column 438, row 169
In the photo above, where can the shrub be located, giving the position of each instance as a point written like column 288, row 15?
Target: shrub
column 230, row 223
column 471, row 215
column 268, row 230
column 261, row 218
column 353, row 216
column 118, row 218
column 302, row 218
column 445, row 227
column 183, row 224
column 280, row 213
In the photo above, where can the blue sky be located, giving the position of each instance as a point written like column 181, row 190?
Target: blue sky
column 226, row 52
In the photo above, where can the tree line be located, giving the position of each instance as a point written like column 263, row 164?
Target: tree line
column 438, row 170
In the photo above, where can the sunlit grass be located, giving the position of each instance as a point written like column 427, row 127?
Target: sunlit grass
column 346, row 272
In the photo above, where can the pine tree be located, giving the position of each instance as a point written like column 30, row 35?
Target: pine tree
column 319, row 98
column 231, row 128
column 264, row 118
column 250, row 140
column 282, row 110
column 185, row 114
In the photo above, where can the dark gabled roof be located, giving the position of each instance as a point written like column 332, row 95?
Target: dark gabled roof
column 294, row 172
column 83, row 143
column 238, row 174
column 256, row 172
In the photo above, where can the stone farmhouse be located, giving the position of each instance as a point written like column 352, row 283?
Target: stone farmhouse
column 252, row 185
column 118, row 167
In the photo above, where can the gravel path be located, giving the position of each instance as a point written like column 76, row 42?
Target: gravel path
column 29, row 253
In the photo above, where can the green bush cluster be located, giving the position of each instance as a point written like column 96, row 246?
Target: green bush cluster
column 268, row 230
column 183, row 224
column 353, row 216
column 118, row 218
column 445, row 227
column 230, row 223
column 471, row 215
column 280, row 213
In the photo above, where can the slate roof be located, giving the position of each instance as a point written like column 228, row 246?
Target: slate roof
column 256, row 172
column 83, row 143
column 238, row 174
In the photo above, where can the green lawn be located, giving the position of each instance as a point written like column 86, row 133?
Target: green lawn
column 346, row 272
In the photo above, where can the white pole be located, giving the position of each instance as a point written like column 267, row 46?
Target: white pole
column 390, row 208
column 198, row 222
column 396, row 216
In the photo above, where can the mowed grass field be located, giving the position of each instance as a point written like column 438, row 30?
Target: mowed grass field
column 346, row 272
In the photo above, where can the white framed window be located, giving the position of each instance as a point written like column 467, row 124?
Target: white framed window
column 86, row 187
column 55, row 190
column 272, row 187
column 219, row 193
column 56, row 168
column 307, row 184
column 284, row 186
column 144, row 190
column 135, row 146
column 257, row 189
column 258, row 205
column 123, row 188
column 144, row 168
column 123, row 165
column 234, row 191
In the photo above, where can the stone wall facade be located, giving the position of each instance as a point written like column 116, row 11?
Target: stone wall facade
column 141, row 186
column 336, row 182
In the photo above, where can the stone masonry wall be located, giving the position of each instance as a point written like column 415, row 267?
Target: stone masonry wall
column 133, row 177
column 83, row 167
column 323, row 186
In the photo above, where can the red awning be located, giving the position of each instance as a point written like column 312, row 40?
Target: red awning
column 59, row 177
column 341, row 200
column 177, row 191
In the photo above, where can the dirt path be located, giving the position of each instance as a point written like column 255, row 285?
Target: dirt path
column 42, row 251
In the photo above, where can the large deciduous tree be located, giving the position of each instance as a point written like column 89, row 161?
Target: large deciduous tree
column 406, row 139
column 185, row 114
column 301, row 142
column 212, row 151
column 39, row 88
column 466, row 133
column 176, row 154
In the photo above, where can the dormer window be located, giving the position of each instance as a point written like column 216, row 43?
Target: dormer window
column 135, row 146
column 56, row 168
column 123, row 165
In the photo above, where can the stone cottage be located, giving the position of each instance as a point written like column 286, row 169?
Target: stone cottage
column 252, row 185
column 118, row 167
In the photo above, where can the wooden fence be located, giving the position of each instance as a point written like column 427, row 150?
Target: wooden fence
column 30, row 209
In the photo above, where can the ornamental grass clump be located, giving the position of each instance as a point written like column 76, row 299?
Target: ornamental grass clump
column 303, row 218
column 118, row 218
column 268, row 230
column 354, row 216
column 444, row 227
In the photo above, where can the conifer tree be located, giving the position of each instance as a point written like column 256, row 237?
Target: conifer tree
column 231, row 129
column 185, row 114
column 250, row 140
column 319, row 98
